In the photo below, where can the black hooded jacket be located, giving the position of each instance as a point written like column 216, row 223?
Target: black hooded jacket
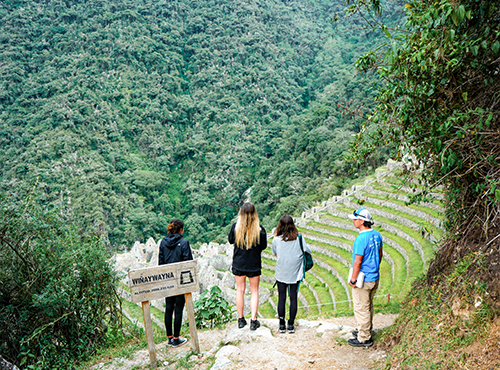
column 174, row 248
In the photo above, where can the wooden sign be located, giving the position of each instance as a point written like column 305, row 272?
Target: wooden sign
column 163, row 281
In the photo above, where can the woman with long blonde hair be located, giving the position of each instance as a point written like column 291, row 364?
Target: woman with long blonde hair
column 249, row 239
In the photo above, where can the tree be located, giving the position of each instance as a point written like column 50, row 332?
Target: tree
column 441, row 104
column 57, row 296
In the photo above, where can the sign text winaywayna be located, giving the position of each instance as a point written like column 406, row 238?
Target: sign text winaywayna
column 151, row 278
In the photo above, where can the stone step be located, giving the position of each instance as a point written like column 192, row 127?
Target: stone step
column 412, row 212
column 320, row 279
column 315, row 294
column 393, row 230
column 387, row 241
column 341, row 279
column 408, row 189
column 405, row 198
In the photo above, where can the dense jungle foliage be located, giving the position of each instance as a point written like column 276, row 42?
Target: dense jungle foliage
column 441, row 104
column 57, row 290
column 129, row 113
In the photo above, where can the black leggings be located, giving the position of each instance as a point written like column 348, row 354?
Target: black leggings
column 282, row 287
column 175, row 303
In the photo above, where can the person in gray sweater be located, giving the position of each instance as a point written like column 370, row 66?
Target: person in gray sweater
column 289, row 268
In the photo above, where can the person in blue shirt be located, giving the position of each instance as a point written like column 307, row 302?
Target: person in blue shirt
column 366, row 257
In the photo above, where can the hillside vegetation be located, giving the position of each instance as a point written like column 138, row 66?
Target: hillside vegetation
column 129, row 113
column 441, row 104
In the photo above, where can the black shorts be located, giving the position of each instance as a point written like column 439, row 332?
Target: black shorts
column 249, row 274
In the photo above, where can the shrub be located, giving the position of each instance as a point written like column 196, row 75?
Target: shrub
column 57, row 291
column 211, row 309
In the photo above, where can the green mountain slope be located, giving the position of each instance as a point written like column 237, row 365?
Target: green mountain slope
column 129, row 113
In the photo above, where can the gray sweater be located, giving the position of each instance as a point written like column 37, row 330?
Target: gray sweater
column 289, row 263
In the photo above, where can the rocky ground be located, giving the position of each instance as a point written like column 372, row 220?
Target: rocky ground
column 315, row 345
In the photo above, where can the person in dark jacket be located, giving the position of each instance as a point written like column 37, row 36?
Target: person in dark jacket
column 249, row 239
column 174, row 248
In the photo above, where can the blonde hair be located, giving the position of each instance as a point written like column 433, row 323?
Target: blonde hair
column 247, row 227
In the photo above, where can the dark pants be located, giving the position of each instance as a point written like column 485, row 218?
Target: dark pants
column 174, row 304
column 282, row 287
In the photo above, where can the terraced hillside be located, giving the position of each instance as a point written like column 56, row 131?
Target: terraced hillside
column 410, row 233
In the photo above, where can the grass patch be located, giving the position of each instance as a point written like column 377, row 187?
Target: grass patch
column 267, row 310
column 400, row 271
column 349, row 229
column 415, row 265
column 323, row 293
column 341, row 252
column 439, row 322
column 431, row 212
column 337, row 288
column 330, row 228
column 394, row 190
column 268, row 261
column 430, row 228
column 426, row 245
column 135, row 311
column 311, row 301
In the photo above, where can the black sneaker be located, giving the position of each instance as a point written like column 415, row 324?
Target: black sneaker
column 291, row 328
column 241, row 322
column 178, row 342
column 282, row 325
column 254, row 324
column 170, row 341
column 356, row 343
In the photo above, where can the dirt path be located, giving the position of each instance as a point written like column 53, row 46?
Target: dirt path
column 314, row 345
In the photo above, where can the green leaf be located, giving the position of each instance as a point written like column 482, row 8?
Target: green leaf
column 495, row 47
column 387, row 33
column 451, row 34
column 475, row 50
column 497, row 194
column 488, row 120
column 461, row 13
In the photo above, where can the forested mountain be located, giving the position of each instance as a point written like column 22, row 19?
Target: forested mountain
column 126, row 113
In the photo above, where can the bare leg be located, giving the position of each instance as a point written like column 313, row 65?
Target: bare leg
column 254, row 299
column 241, row 285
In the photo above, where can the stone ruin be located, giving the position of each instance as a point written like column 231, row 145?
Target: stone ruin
column 214, row 269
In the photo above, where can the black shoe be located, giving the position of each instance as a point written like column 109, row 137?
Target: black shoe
column 254, row 324
column 282, row 325
column 178, row 342
column 170, row 341
column 241, row 322
column 356, row 343
column 291, row 328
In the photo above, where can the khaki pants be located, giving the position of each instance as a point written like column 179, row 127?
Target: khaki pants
column 363, row 309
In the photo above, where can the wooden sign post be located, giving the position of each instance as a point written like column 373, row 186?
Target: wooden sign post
column 165, row 281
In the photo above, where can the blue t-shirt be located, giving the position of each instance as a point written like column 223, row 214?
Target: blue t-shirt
column 368, row 244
